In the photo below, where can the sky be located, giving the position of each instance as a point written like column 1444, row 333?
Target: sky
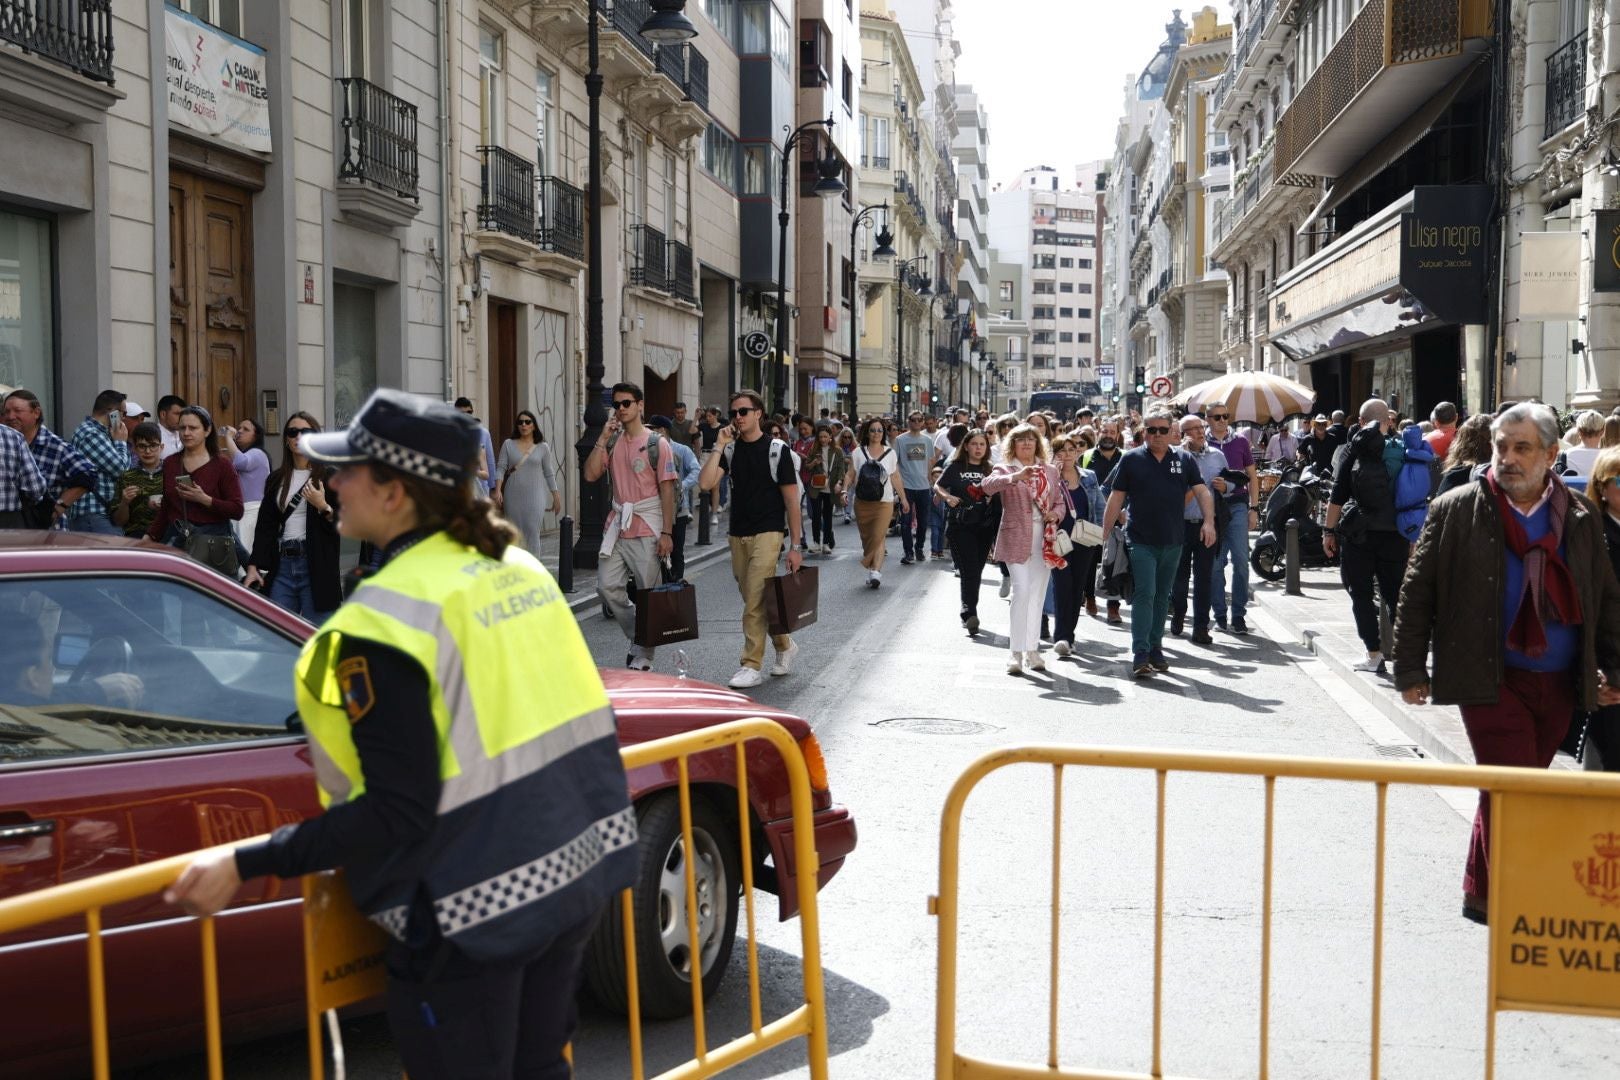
column 1052, row 73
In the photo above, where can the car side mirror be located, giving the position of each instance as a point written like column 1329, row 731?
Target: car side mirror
column 294, row 723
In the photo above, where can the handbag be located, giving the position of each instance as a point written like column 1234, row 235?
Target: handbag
column 1087, row 534
column 215, row 552
column 666, row 614
column 1062, row 543
column 791, row 599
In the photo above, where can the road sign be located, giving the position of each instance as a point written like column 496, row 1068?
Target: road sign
column 756, row 345
column 1105, row 380
column 1162, row 386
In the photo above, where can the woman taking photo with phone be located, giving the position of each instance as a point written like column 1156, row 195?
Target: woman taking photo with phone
column 526, row 481
column 199, row 487
column 244, row 448
column 295, row 547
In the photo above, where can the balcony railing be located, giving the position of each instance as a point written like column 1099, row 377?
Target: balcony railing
column 682, row 281
column 651, row 267
column 880, row 162
column 628, row 17
column 379, row 139
column 697, row 78
column 77, row 35
column 506, row 193
column 562, row 217
column 1566, row 85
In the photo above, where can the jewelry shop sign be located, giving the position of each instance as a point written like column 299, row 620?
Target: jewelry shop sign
column 1555, row 918
column 217, row 83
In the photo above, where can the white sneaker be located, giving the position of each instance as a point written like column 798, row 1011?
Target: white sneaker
column 784, row 660
column 1015, row 664
column 745, row 678
column 1374, row 663
column 1034, row 661
column 1063, row 648
column 638, row 660
column 1006, row 587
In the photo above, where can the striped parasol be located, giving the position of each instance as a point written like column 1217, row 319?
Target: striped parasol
column 1256, row 396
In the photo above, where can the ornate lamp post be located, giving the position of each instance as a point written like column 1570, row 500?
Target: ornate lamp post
column 829, row 183
column 668, row 25
column 903, row 273
column 883, row 251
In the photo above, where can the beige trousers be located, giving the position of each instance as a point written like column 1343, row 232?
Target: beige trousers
column 753, row 563
column 872, row 519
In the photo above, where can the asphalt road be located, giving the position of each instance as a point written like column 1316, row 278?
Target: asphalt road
column 902, row 701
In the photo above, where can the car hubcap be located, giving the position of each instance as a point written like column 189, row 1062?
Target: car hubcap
column 709, row 874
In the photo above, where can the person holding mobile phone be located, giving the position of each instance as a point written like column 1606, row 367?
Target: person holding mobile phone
column 104, row 440
column 294, row 554
column 200, row 488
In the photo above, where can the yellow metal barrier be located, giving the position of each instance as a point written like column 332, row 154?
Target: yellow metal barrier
column 343, row 951
column 1543, row 823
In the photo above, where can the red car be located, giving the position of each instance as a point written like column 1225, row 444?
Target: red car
column 145, row 708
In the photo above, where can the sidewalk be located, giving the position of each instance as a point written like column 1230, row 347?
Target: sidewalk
column 1321, row 621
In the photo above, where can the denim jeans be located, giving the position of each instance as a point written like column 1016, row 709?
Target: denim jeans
column 1231, row 543
column 1153, row 571
column 916, row 520
column 95, row 523
column 936, row 521
column 290, row 588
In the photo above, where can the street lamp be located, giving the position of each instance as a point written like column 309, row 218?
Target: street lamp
column 667, row 25
column 829, row 182
column 902, row 273
column 933, row 325
column 883, row 251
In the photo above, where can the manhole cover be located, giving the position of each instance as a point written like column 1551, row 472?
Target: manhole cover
column 934, row 725
column 1399, row 750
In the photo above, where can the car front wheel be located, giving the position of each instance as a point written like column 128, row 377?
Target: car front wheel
column 663, row 940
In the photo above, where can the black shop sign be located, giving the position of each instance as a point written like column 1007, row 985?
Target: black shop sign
column 1606, row 252
column 1443, row 250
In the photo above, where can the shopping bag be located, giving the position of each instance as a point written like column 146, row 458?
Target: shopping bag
column 666, row 614
column 790, row 600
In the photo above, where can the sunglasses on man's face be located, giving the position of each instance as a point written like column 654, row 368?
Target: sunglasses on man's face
column 1217, row 416
column 743, row 410
column 1155, row 430
column 624, row 403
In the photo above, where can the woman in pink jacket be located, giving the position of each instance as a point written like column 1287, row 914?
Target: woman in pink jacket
column 1031, row 507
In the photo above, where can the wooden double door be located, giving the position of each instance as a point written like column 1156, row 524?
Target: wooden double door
column 211, row 295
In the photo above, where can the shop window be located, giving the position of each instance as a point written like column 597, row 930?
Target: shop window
column 27, row 300
column 354, row 338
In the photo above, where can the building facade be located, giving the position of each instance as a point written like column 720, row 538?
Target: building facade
column 973, row 276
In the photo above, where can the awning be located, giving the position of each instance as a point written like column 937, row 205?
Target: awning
column 1392, row 147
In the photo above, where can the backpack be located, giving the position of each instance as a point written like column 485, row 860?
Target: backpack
column 873, row 478
column 777, row 446
column 653, row 439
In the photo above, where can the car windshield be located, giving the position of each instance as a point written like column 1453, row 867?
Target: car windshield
column 111, row 664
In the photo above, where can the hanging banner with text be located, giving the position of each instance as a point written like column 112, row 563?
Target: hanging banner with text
column 1555, row 927
column 1606, row 251
column 217, row 83
column 1550, row 276
column 1443, row 250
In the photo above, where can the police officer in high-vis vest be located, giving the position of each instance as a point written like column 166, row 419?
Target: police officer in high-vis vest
column 465, row 751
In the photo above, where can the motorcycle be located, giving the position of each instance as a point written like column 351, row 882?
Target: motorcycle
column 1301, row 499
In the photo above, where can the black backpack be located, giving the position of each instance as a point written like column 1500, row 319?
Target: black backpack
column 872, row 479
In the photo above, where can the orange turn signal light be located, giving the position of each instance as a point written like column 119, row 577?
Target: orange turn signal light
column 814, row 762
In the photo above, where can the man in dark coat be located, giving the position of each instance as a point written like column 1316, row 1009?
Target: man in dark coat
column 1510, row 582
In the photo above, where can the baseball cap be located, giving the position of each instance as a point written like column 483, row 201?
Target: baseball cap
column 663, row 423
column 134, row 408
column 415, row 434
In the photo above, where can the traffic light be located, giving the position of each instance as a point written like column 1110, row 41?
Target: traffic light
column 908, row 388
column 1141, row 380
column 894, row 388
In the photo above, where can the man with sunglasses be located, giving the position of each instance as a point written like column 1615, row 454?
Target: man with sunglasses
column 639, row 530
column 1243, row 503
column 764, row 512
column 1157, row 480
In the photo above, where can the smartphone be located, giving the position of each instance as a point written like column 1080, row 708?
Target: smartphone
column 184, row 480
column 113, row 418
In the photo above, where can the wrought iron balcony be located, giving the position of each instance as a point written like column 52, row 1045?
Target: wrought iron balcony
column 697, row 78
column 627, row 17
column 506, row 193
column 379, row 139
column 683, row 283
column 1566, row 85
column 1394, row 55
column 879, row 162
column 562, row 217
column 77, row 35
column 651, row 267
column 670, row 60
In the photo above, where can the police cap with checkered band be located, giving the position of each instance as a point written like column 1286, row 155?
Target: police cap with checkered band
column 409, row 432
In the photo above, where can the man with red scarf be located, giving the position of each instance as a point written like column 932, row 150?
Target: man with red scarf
column 1529, row 627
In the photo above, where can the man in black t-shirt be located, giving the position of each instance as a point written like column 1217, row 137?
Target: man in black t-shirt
column 764, row 506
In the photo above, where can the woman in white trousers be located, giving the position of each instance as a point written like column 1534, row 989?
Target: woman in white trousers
column 1031, row 505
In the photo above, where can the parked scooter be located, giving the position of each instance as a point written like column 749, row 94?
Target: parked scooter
column 1291, row 499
